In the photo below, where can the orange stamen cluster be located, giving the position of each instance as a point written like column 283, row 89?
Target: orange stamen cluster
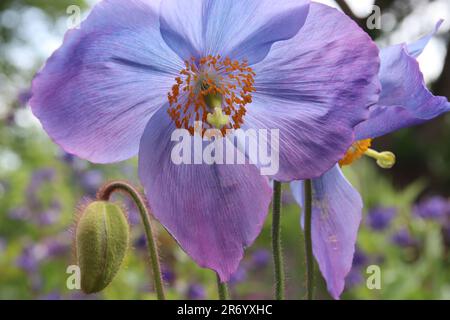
column 211, row 75
column 355, row 152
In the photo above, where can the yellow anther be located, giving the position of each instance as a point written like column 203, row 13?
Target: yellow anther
column 385, row 160
column 218, row 119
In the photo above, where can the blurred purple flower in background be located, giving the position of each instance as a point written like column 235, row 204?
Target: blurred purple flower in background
column 141, row 242
column 79, row 295
column 196, row 292
column 168, row 275
column 38, row 178
column 360, row 261
column 67, row 158
column 434, row 208
column 51, row 215
column 43, row 218
column 51, row 296
column 91, row 181
column 21, row 213
column 403, row 238
column 31, row 257
column 260, row 259
column 57, row 247
column 239, row 276
column 354, row 278
column 379, row 219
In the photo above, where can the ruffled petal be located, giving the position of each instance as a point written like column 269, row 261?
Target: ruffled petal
column 415, row 49
column 238, row 29
column 405, row 100
column 213, row 211
column 315, row 88
column 336, row 216
column 97, row 92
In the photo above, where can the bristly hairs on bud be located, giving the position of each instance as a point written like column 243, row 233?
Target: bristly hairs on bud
column 101, row 240
column 72, row 229
column 105, row 193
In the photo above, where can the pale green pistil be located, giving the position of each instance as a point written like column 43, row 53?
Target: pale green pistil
column 218, row 118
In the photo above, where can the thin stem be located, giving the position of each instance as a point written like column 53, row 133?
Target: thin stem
column 120, row 186
column 222, row 289
column 308, row 240
column 276, row 242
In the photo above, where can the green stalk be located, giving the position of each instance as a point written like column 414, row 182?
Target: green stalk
column 222, row 289
column 276, row 242
column 308, row 240
column 120, row 186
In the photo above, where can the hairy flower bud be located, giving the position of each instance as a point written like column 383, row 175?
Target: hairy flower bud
column 102, row 237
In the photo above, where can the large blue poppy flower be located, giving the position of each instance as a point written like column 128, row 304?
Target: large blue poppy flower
column 112, row 91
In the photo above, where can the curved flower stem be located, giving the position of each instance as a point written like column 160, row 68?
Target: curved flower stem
column 223, row 289
column 276, row 241
column 308, row 240
column 105, row 193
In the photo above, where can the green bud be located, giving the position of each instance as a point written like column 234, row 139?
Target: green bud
column 102, row 237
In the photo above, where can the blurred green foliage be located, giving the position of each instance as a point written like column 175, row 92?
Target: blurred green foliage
column 40, row 187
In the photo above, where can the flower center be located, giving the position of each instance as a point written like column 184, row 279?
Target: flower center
column 212, row 90
column 385, row 160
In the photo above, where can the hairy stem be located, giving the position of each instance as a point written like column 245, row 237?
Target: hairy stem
column 308, row 240
column 276, row 242
column 105, row 193
column 222, row 289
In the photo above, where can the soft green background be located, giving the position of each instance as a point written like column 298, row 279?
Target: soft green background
column 28, row 32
